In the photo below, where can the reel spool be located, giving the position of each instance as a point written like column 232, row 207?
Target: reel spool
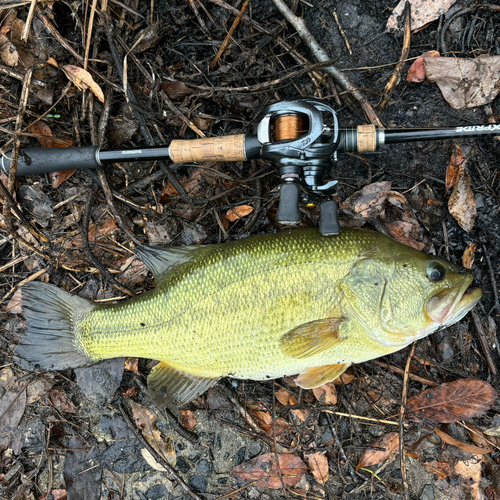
column 296, row 138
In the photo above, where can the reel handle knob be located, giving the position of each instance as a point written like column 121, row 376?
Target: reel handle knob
column 329, row 222
column 288, row 209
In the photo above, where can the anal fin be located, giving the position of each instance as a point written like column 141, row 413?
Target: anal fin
column 312, row 338
column 319, row 375
column 170, row 386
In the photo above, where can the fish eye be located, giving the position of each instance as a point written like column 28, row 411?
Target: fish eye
column 435, row 271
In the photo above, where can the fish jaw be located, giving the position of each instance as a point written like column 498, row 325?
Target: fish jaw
column 449, row 306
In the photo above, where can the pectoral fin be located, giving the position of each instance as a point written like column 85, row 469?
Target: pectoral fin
column 312, row 338
column 319, row 375
column 169, row 386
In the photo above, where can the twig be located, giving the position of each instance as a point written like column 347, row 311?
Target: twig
column 20, row 284
column 481, row 335
column 493, row 282
column 89, row 34
column 276, row 456
column 393, row 80
column 342, row 32
column 320, row 55
column 401, row 422
column 19, row 76
column 29, row 19
column 156, row 455
column 395, row 369
column 230, row 34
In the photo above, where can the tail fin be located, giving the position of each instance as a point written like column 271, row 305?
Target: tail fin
column 50, row 343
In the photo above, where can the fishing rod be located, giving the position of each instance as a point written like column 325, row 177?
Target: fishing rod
column 301, row 138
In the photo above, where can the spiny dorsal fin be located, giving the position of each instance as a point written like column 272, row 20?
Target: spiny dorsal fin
column 312, row 338
column 159, row 260
column 169, row 386
column 319, row 375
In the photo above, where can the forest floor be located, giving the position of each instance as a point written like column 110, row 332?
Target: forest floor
column 85, row 433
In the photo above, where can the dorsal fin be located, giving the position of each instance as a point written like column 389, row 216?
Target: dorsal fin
column 159, row 260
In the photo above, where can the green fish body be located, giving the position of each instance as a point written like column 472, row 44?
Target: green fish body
column 258, row 308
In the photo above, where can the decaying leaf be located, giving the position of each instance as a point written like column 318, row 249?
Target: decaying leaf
column 462, row 203
column 369, row 201
column 465, row 83
column 301, row 414
column 457, row 161
column 132, row 365
column 83, row 80
column 60, row 401
column 470, row 471
column 403, row 232
column 423, row 12
column 146, row 422
column 416, row 73
column 176, row 90
column 468, row 256
column 14, row 305
column 188, row 420
column 326, row 393
column 441, row 469
column 389, row 442
column 346, row 378
column 8, row 52
column 265, row 419
column 56, row 495
column 318, row 463
column 265, row 470
column 480, row 438
column 152, row 461
column 450, row 402
column 238, row 212
column 285, row 398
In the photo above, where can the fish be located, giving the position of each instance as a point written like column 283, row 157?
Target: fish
column 258, row 308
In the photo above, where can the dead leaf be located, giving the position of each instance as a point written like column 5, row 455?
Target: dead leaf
column 132, row 365
column 301, row 414
column 402, row 232
column 457, row 161
column 465, row 83
column 468, row 256
column 131, row 392
column 152, row 461
column 480, row 438
column 423, row 12
column 168, row 193
column 52, row 62
column 14, row 305
column 318, row 463
column 346, row 378
column 83, row 80
column 176, row 90
column 46, row 137
column 265, row 470
column 60, row 401
column 441, row 469
column 238, row 212
column 462, row 203
column 416, row 73
column 188, row 420
column 59, row 177
column 463, row 399
column 146, row 422
column 148, row 37
column 326, row 393
column 8, row 52
column 369, row 201
column 133, row 271
column 202, row 123
column 56, row 495
column 265, row 420
column 285, row 398
column 390, row 443
column 470, row 471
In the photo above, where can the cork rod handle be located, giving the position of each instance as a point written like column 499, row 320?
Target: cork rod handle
column 230, row 148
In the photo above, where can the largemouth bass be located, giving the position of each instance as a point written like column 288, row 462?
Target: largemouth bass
column 258, row 308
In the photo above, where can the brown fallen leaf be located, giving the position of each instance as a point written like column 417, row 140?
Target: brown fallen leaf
column 470, row 472
column 450, row 402
column 188, row 420
column 8, row 51
column 146, row 422
column 326, row 393
column 369, row 201
column 14, row 305
column 402, row 231
column 457, row 161
column 176, row 90
column 441, row 469
column 265, row 420
column 132, row 365
column 238, row 212
column 390, row 443
column 480, row 438
column 60, row 401
column 462, row 203
column 285, row 398
column 416, row 73
column 468, row 256
column 301, row 414
column 465, row 83
column 83, row 80
column 265, row 470
column 346, row 378
column 318, row 463
column 55, row 495
column 423, row 12
column 59, row 177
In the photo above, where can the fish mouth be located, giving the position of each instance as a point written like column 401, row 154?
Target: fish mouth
column 450, row 305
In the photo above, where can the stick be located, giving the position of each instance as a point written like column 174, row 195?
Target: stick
column 320, row 55
column 394, row 79
column 481, row 335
